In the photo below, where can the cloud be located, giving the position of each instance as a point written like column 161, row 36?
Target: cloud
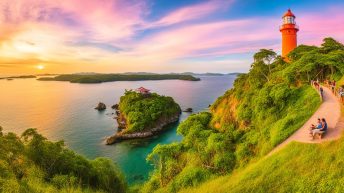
column 314, row 27
column 116, row 35
column 192, row 12
column 220, row 37
column 104, row 20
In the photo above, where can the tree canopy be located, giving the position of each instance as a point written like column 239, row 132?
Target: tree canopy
column 31, row 163
column 143, row 111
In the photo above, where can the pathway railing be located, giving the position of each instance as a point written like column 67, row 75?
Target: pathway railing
column 317, row 87
column 336, row 91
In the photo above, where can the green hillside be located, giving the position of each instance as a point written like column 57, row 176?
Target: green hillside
column 31, row 163
column 265, row 107
column 297, row 168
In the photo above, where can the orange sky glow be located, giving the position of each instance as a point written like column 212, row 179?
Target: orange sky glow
column 112, row 36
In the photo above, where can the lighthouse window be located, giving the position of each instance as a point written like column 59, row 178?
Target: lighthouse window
column 288, row 20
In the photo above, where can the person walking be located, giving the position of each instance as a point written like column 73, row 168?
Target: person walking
column 333, row 86
column 341, row 93
column 321, row 92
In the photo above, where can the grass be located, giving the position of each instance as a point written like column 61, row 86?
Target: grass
column 298, row 167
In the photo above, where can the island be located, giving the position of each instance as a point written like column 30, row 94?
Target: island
column 99, row 78
column 142, row 114
column 18, row 77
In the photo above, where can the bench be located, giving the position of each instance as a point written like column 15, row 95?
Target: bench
column 320, row 134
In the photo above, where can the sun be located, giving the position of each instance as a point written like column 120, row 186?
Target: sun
column 40, row 67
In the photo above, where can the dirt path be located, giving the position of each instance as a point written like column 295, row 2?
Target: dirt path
column 330, row 110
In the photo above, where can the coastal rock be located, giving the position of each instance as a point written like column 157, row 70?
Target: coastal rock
column 188, row 110
column 158, row 127
column 100, row 107
column 115, row 106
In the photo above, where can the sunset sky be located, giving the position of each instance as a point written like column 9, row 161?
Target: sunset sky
column 109, row 36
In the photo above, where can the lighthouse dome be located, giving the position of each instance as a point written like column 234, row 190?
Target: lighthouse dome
column 288, row 14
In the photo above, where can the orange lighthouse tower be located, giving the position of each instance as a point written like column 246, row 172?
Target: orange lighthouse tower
column 289, row 31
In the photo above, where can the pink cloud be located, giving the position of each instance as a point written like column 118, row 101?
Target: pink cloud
column 314, row 27
column 228, row 37
column 45, row 30
column 97, row 20
column 192, row 12
column 210, row 39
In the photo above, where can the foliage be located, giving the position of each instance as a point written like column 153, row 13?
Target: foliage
column 299, row 167
column 264, row 107
column 202, row 153
column 99, row 78
column 144, row 111
column 31, row 163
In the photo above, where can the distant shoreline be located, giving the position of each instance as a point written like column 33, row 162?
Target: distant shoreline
column 99, row 78
column 19, row 77
column 89, row 78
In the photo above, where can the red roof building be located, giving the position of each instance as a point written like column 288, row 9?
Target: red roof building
column 143, row 90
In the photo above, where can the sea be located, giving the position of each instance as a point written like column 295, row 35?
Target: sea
column 65, row 111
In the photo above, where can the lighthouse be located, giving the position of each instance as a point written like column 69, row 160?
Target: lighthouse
column 289, row 31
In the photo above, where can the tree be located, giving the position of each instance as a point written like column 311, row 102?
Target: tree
column 267, row 56
column 330, row 44
column 299, row 51
column 262, row 62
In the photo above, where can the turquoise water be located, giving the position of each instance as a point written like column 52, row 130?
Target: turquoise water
column 65, row 111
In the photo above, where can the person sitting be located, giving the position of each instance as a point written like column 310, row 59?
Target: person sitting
column 317, row 126
column 322, row 130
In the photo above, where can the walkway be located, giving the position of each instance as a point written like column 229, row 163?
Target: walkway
column 330, row 110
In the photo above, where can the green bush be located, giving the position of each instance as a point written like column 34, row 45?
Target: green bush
column 202, row 152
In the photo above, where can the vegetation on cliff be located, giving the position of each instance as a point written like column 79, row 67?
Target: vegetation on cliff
column 31, row 163
column 142, row 112
column 99, row 78
column 265, row 106
column 297, row 168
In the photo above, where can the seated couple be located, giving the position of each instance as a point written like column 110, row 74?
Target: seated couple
column 319, row 128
